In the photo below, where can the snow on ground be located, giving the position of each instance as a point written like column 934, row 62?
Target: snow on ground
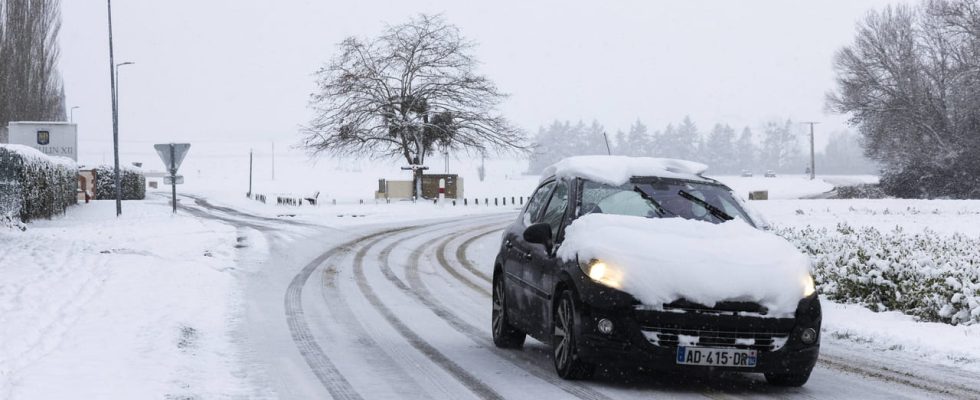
column 780, row 187
column 137, row 307
column 943, row 216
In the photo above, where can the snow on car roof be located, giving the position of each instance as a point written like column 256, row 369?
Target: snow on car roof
column 617, row 170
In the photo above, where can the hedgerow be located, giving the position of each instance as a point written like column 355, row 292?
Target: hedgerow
column 34, row 185
column 132, row 179
column 927, row 275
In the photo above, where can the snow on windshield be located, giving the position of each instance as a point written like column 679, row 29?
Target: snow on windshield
column 617, row 170
column 666, row 259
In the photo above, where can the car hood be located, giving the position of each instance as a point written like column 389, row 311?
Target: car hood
column 665, row 259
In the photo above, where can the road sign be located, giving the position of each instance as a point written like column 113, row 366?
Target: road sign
column 179, row 151
column 172, row 155
column 414, row 167
column 170, row 181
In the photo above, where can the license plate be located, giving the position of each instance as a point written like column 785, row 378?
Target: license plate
column 716, row 357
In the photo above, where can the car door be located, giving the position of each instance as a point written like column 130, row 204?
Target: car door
column 516, row 253
column 542, row 267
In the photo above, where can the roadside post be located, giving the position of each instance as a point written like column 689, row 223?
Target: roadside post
column 172, row 155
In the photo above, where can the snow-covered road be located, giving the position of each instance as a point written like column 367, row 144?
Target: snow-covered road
column 395, row 311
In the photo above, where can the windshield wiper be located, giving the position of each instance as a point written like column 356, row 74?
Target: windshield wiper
column 660, row 209
column 717, row 212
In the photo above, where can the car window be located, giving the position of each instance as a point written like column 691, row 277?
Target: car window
column 556, row 208
column 629, row 199
column 534, row 204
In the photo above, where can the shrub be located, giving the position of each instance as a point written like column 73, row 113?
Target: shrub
column 34, row 185
column 862, row 191
column 930, row 276
column 132, row 179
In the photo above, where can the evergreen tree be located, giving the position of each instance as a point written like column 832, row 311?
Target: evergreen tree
column 639, row 142
column 745, row 151
column 781, row 147
column 720, row 150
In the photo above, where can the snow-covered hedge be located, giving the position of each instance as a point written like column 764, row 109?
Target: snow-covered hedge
column 931, row 276
column 34, row 185
column 133, row 183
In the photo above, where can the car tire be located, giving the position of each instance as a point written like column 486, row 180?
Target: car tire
column 790, row 380
column 505, row 335
column 564, row 341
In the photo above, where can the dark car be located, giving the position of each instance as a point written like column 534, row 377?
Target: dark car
column 589, row 321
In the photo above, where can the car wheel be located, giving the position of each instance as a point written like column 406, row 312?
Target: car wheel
column 564, row 341
column 793, row 380
column 504, row 334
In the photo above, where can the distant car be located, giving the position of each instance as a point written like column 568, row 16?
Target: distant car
column 644, row 262
column 746, row 173
column 770, row 174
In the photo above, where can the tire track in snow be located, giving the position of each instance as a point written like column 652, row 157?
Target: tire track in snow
column 325, row 371
column 471, row 382
column 441, row 256
column 465, row 262
column 527, row 362
column 380, row 361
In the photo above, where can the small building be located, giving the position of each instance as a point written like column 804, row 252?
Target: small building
column 402, row 189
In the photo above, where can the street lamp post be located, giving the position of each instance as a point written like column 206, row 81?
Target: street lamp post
column 71, row 114
column 122, row 64
column 115, row 116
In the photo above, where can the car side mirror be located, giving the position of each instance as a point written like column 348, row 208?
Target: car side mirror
column 540, row 233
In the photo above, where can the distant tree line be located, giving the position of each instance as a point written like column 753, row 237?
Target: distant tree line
column 910, row 83
column 31, row 88
column 722, row 148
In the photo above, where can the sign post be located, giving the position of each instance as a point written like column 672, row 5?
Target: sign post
column 172, row 155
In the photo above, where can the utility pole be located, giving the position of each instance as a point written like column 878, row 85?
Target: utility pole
column 813, row 171
column 250, row 173
column 115, row 117
column 273, row 160
column 606, row 138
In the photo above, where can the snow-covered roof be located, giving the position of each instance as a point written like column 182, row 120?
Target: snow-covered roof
column 31, row 154
column 617, row 170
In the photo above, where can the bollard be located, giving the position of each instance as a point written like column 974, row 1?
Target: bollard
column 362, row 201
column 512, row 202
column 486, row 201
column 476, row 201
column 495, row 201
column 435, row 201
column 334, row 201
column 465, row 203
column 522, row 200
column 503, row 200
column 454, row 203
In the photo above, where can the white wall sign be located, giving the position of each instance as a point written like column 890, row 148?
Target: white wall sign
column 51, row 138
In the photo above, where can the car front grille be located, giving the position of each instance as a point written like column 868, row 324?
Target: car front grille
column 672, row 337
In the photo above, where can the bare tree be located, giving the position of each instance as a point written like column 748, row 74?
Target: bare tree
column 911, row 84
column 409, row 92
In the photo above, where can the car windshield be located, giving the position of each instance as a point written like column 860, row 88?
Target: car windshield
column 662, row 198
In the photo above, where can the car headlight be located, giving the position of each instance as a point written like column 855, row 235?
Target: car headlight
column 808, row 286
column 604, row 273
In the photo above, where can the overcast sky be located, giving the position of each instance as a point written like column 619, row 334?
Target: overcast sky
column 234, row 70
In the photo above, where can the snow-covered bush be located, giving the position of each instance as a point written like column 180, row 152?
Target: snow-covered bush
column 928, row 275
column 132, row 178
column 34, row 185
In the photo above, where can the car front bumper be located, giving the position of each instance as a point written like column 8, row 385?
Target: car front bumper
column 629, row 343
